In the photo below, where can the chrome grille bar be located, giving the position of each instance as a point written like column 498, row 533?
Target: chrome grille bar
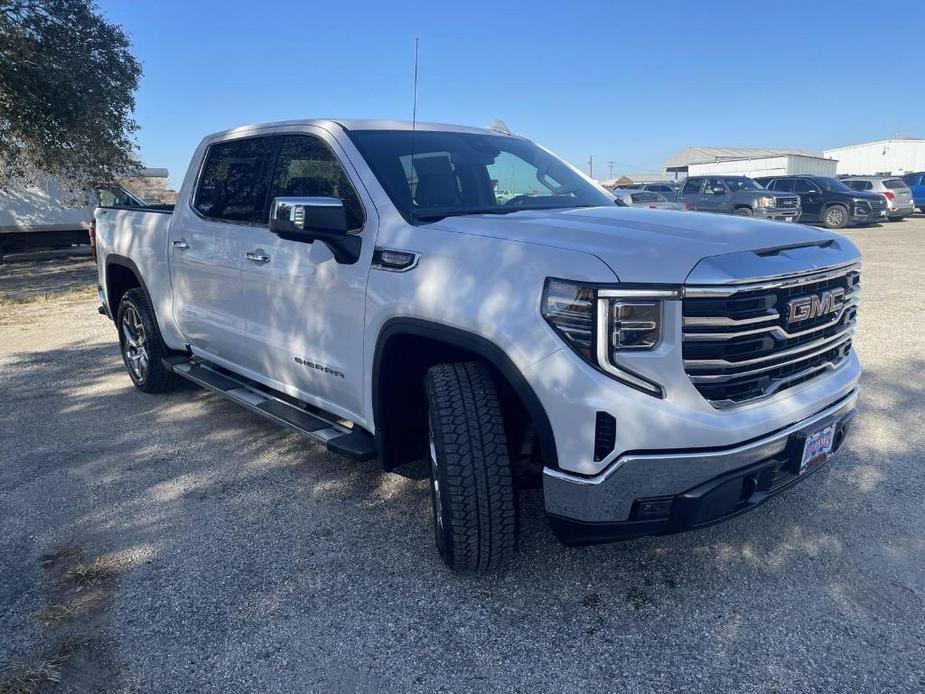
column 733, row 356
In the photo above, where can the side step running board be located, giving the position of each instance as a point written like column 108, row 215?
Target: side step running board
column 353, row 443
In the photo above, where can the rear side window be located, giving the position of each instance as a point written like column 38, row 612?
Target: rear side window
column 859, row 185
column 646, row 197
column 894, row 184
column 308, row 168
column 783, row 185
column 714, row 186
column 232, row 186
column 801, row 185
column 114, row 197
column 691, row 186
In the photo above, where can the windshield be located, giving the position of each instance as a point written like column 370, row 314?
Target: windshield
column 831, row 185
column 470, row 173
column 735, row 184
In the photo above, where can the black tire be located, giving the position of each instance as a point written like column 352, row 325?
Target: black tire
column 744, row 212
column 835, row 217
column 472, row 489
column 135, row 310
column 896, row 219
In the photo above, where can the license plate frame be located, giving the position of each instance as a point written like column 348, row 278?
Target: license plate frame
column 817, row 447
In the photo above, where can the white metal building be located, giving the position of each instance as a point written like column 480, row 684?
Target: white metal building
column 781, row 165
column 882, row 157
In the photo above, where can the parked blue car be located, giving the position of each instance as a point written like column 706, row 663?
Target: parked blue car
column 916, row 181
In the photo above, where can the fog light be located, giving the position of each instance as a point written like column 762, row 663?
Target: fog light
column 653, row 509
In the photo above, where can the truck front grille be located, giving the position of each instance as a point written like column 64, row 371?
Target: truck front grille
column 746, row 343
column 788, row 203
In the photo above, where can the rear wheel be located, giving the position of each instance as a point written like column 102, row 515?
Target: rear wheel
column 895, row 219
column 835, row 217
column 142, row 345
column 744, row 212
column 472, row 488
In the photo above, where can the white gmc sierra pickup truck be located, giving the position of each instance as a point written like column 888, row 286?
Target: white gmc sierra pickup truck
column 464, row 296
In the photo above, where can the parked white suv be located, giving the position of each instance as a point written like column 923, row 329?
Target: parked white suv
column 361, row 282
column 899, row 202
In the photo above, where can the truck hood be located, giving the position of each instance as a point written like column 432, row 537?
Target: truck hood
column 662, row 246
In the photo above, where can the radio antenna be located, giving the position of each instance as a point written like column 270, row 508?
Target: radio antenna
column 412, row 175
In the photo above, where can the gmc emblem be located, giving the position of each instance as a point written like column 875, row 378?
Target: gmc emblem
column 813, row 306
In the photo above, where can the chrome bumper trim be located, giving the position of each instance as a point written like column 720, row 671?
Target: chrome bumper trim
column 740, row 455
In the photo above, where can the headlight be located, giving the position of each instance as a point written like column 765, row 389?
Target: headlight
column 602, row 322
column 765, row 201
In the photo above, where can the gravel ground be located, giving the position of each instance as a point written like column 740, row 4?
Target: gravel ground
column 234, row 555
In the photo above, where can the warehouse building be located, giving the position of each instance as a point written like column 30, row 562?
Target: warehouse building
column 884, row 157
column 753, row 167
column 679, row 165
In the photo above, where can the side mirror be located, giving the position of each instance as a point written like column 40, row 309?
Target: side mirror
column 309, row 219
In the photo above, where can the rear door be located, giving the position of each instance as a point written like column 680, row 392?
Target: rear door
column 690, row 193
column 205, row 246
column 810, row 198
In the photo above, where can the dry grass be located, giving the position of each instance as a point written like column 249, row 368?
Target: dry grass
column 29, row 677
column 61, row 554
column 83, row 575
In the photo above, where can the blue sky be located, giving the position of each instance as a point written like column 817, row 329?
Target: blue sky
column 628, row 82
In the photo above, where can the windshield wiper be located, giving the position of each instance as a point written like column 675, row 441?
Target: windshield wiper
column 437, row 216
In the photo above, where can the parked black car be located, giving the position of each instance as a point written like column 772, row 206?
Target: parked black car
column 829, row 202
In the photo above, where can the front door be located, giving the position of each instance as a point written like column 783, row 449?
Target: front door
column 206, row 242
column 305, row 311
column 716, row 196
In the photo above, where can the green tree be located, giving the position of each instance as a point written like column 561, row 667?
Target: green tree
column 67, row 84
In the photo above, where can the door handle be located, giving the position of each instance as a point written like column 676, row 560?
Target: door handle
column 182, row 245
column 257, row 257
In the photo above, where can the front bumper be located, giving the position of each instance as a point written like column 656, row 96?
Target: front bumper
column 691, row 489
column 787, row 214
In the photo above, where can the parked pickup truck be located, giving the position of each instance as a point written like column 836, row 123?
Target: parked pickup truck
column 737, row 195
column 652, row 370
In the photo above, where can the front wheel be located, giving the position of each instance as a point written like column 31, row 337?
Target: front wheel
column 142, row 346
column 835, row 217
column 744, row 212
column 472, row 488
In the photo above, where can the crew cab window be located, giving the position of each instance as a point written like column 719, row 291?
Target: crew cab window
column 307, row 167
column 691, row 186
column 803, row 186
column 232, row 186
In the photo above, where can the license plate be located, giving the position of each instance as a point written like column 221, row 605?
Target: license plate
column 817, row 447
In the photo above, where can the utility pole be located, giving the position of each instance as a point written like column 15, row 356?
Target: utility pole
column 610, row 164
column 591, row 166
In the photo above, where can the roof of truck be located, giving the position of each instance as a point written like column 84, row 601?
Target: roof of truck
column 361, row 124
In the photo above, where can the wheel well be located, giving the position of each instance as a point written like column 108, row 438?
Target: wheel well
column 119, row 279
column 400, row 407
column 742, row 206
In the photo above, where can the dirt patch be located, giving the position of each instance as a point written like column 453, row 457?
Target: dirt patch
column 46, row 280
column 78, row 593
